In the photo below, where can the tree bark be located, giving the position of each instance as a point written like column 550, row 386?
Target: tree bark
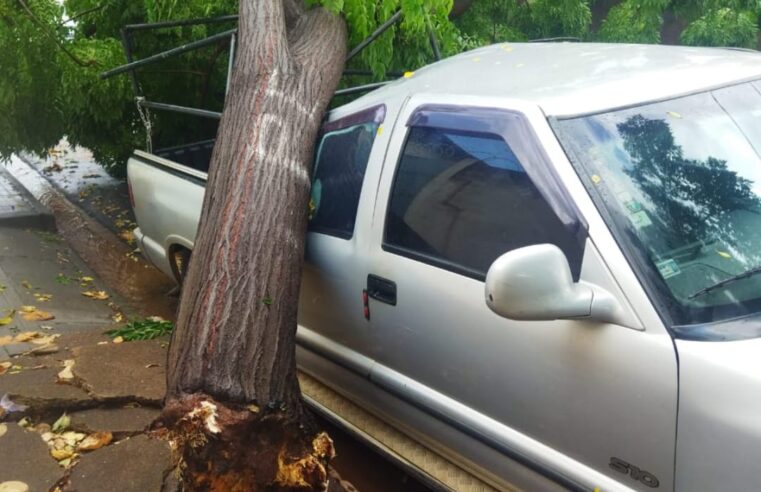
column 234, row 343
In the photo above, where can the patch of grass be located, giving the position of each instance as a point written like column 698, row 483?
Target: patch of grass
column 49, row 237
column 143, row 329
column 63, row 279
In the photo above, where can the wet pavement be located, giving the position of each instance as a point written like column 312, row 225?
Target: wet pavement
column 140, row 289
column 17, row 207
column 115, row 262
column 74, row 172
column 39, row 271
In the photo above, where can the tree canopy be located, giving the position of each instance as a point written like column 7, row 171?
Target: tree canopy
column 51, row 55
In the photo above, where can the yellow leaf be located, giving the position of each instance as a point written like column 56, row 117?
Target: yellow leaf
column 724, row 254
column 117, row 317
column 99, row 295
column 38, row 316
column 86, row 279
column 674, row 114
column 61, row 454
column 118, row 340
column 42, row 297
column 4, row 366
column 408, row 74
column 95, row 441
column 8, row 319
column 27, row 335
column 27, row 309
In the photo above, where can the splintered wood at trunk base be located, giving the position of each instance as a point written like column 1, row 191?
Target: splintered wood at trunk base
column 233, row 348
column 234, row 448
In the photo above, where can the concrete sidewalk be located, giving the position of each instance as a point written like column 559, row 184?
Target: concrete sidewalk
column 38, row 270
column 114, row 394
column 19, row 208
column 115, row 390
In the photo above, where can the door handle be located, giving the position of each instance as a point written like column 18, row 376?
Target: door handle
column 381, row 289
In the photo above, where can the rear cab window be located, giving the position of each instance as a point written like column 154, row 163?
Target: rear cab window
column 339, row 171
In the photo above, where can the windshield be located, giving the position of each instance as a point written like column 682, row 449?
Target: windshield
column 680, row 183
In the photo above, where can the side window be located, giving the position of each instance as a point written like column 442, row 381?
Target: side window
column 338, row 174
column 462, row 199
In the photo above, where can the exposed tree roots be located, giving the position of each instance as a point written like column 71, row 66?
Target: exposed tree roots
column 233, row 448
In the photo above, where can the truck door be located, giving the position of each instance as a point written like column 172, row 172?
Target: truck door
column 582, row 399
column 347, row 165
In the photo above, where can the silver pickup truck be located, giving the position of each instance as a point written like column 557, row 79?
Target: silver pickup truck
column 540, row 260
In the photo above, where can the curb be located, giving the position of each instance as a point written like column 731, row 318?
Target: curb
column 41, row 218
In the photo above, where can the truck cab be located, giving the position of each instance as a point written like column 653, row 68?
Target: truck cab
column 539, row 261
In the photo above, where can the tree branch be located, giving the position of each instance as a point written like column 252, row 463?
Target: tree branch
column 52, row 36
column 82, row 13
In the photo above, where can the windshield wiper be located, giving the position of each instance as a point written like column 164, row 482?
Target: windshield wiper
column 726, row 281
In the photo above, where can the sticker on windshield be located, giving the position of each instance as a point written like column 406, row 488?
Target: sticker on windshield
column 633, row 206
column 668, row 268
column 640, row 219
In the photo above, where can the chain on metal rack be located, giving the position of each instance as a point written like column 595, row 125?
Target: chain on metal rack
column 145, row 117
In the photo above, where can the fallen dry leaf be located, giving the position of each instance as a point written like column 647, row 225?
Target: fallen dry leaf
column 117, row 317
column 26, row 336
column 118, row 340
column 45, row 339
column 127, row 235
column 4, row 366
column 71, row 438
column 102, row 343
column 14, row 486
column 3, row 429
column 27, row 309
column 67, row 374
column 6, row 339
column 26, row 284
column 37, row 316
column 42, row 297
column 148, row 366
column 99, row 295
column 96, row 440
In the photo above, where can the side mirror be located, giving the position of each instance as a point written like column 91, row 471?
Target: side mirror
column 535, row 283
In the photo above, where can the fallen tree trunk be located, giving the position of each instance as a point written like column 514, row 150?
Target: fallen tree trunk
column 233, row 411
